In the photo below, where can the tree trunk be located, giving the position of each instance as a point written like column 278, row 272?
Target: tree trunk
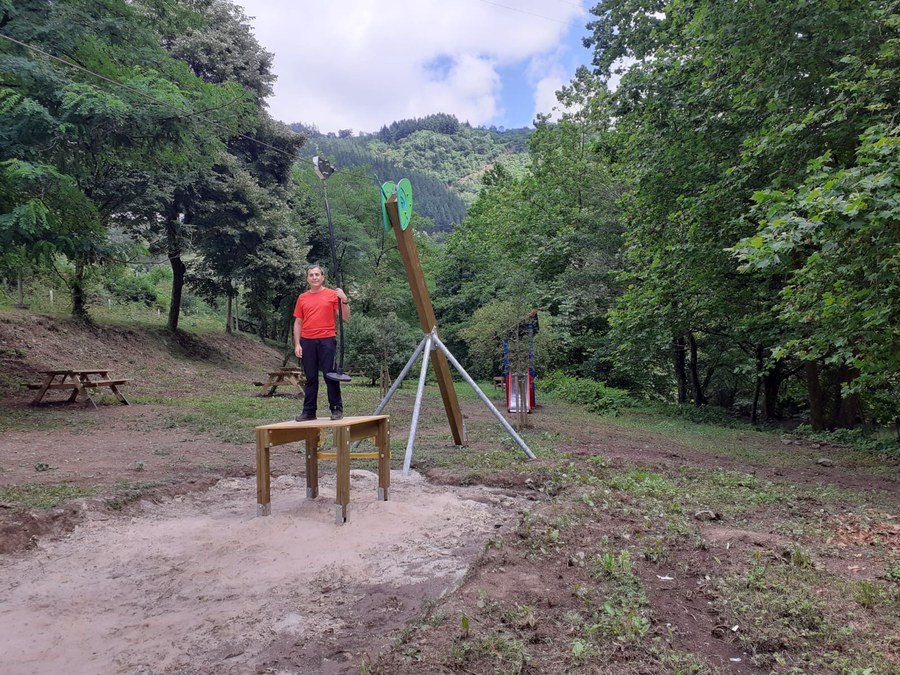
column 849, row 409
column 699, row 397
column 79, row 297
column 771, row 382
column 815, row 395
column 178, row 270
column 173, row 246
column 680, row 372
column 754, row 411
column 228, row 318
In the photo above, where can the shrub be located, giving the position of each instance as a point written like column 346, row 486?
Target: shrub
column 593, row 395
column 130, row 288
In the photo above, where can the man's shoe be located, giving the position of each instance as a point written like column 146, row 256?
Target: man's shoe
column 337, row 415
column 305, row 416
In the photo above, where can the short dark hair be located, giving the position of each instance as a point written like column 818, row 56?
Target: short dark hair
column 313, row 267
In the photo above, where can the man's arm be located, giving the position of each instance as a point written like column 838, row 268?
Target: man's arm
column 298, row 350
column 344, row 303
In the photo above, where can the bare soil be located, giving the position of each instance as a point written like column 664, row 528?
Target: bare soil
column 167, row 569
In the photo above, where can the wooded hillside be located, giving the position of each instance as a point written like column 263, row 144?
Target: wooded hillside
column 443, row 158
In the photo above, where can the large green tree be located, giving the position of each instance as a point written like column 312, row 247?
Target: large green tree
column 91, row 94
column 725, row 100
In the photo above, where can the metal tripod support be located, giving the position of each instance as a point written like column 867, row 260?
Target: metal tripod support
column 428, row 344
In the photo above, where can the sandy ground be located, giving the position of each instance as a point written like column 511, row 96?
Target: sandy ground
column 199, row 584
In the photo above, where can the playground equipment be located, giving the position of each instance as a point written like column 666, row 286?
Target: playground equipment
column 323, row 171
column 396, row 205
column 520, row 385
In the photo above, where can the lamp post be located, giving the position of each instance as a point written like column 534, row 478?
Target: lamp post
column 323, row 171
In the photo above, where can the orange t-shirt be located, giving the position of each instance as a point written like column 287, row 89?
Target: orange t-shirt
column 316, row 313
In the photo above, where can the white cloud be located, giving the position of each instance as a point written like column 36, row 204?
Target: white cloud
column 360, row 64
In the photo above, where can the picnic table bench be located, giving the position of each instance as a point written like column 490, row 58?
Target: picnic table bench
column 282, row 376
column 80, row 382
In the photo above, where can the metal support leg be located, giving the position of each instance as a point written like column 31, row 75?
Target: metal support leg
column 483, row 397
column 397, row 382
column 418, row 406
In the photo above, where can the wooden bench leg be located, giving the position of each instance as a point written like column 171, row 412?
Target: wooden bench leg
column 40, row 395
column 312, row 466
column 383, row 444
column 119, row 395
column 263, row 493
column 342, row 448
column 74, row 395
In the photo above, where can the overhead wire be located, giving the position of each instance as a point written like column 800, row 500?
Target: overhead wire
column 182, row 112
column 535, row 14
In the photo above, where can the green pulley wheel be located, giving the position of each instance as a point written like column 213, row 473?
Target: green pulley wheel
column 404, row 201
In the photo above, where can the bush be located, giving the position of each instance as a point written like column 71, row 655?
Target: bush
column 130, row 288
column 705, row 414
column 859, row 439
column 593, row 395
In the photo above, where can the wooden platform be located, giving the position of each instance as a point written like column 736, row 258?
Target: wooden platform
column 346, row 431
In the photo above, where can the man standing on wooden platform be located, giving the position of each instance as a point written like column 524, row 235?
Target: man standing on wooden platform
column 315, row 342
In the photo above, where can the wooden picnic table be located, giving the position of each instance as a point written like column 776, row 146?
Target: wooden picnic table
column 346, row 431
column 77, row 381
column 276, row 378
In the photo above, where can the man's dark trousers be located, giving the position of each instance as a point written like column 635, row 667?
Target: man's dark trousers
column 318, row 354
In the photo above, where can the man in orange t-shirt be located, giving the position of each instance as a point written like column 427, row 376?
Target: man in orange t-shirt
column 314, row 340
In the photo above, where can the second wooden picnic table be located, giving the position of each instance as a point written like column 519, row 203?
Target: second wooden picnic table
column 276, row 378
column 79, row 381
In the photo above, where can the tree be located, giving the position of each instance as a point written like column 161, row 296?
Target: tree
column 100, row 102
column 238, row 213
column 724, row 101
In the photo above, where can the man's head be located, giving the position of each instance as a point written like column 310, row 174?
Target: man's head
column 315, row 277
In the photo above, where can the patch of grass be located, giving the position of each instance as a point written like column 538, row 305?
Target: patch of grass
column 43, row 496
column 786, row 618
column 127, row 493
column 858, row 439
column 505, row 652
column 45, row 419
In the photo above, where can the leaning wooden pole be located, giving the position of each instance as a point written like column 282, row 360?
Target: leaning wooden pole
column 414, row 274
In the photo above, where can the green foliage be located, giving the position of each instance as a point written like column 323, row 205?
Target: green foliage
column 375, row 344
column 724, row 149
column 859, row 438
column 42, row 211
column 595, row 396
column 43, row 496
column 834, row 239
column 130, row 287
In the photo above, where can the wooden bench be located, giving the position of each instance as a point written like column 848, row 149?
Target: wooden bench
column 346, row 431
column 79, row 382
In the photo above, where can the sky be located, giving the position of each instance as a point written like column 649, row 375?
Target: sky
column 362, row 64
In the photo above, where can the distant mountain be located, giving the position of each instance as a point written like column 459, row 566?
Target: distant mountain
column 443, row 158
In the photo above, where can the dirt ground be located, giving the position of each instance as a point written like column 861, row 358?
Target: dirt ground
column 196, row 583
column 186, row 579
